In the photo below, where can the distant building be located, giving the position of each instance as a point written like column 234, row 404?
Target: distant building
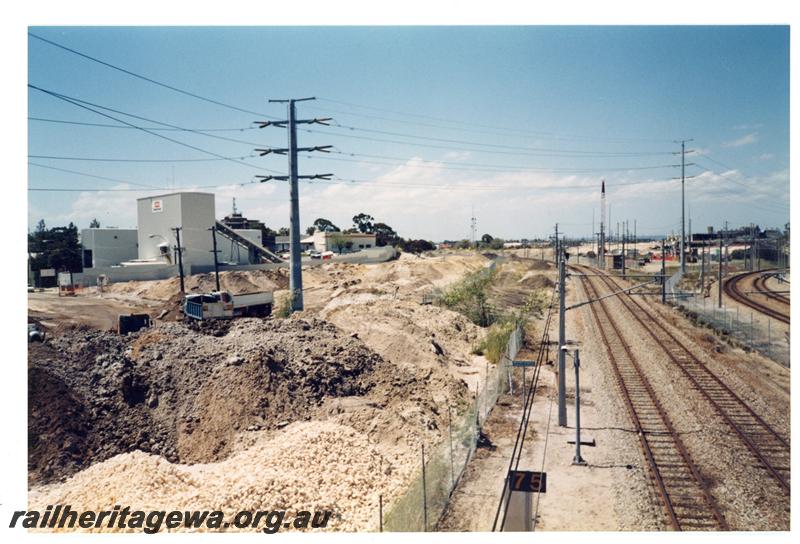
column 108, row 246
column 282, row 243
column 328, row 241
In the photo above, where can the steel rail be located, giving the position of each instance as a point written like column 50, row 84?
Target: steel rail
column 721, row 397
column 730, row 287
column 685, row 498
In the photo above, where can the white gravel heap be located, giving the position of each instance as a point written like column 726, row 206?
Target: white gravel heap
column 310, row 466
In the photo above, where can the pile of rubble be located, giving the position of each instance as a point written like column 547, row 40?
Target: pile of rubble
column 182, row 393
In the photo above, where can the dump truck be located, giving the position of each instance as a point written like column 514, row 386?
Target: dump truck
column 224, row 305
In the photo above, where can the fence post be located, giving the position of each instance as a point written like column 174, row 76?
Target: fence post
column 380, row 511
column 424, row 493
column 769, row 337
column 450, row 429
column 477, row 403
column 752, row 346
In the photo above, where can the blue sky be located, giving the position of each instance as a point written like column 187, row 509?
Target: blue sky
column 520, row 123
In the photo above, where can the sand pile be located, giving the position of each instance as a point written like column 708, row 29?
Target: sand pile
column 308, row 467
column 180, row 392
column 235, row 281
column 409, row 275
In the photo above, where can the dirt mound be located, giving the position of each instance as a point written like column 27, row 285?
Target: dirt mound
column 532, row 280
column 182, row 393
column 235, row 281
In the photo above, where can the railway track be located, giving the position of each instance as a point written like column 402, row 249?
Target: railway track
column 731, row 288
column 760, row 284
column 770, row 451
column 682, row 490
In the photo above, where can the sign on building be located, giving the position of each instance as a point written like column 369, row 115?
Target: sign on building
column 157, row 205
column 47, row 273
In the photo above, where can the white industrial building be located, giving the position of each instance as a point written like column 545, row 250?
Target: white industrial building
column 108, row 246
column 149, row 251
column 328, row 241
column 158, row 216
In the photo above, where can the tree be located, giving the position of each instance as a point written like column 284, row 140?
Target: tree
column 416, row 246
column 364, row 223
column 496, row 243
column 325, row 225
column 487, row 239
column 385, row 235
column 310, row 231
column 56, row 248
column 95, row 224
column 340, row 242
column 283, row 231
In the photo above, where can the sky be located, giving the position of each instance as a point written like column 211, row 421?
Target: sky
column 519, row 124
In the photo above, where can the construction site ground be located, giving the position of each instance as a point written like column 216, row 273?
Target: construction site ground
column 52, row 310
column 328, row 408
column 325, row 409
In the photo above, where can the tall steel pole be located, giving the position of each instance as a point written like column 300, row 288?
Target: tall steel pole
column 562, row 344
column 295, row 263
column 663, row 272
column 683, row 207
column 719, row 273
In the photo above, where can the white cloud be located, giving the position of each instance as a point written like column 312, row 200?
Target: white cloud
column 766, row 157
column 746, row 126
column 747, row 139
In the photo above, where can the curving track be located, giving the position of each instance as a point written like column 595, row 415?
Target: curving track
column 681, row 488
column 770, row 451
column 733, row 288
column 760, row 284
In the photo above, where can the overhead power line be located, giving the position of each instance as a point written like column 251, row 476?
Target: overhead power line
column 103, row 159
column 146, row 119
column 104, row 178
column 441, row 165
column 471, row 150
column 505, row 167
column 422, row 163
column 494, row 127
column 149, row 80
column 774, row 207
column 117, row 180
column 504, row 146
column 107, row 125
column 78, row 103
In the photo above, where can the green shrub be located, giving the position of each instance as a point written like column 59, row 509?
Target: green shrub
column 469, row 297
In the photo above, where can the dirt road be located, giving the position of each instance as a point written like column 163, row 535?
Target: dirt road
column 100, row 313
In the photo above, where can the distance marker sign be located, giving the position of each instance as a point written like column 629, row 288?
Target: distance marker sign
column 528, row 481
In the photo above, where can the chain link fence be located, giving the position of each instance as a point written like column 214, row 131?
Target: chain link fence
column 748, row 328
column 422, row 504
